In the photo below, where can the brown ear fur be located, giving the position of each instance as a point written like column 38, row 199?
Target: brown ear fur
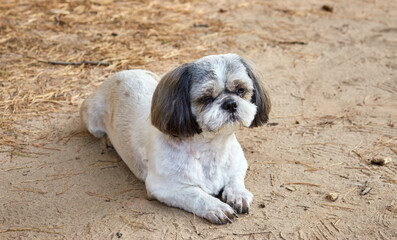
column 171, row 109
column 260, row 97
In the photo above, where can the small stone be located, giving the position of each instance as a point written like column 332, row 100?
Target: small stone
column 119, row 234
column 380, row 160
column 365, row 191
column 201, row 25
column 327, row 8
column 332, row 196
column 292, row 189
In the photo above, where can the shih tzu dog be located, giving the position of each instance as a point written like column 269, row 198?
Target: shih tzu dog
column 177, row 133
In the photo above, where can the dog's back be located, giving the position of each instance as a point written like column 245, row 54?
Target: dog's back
column 123, row 102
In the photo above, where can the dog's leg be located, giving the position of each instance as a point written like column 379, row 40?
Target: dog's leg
column 91, row 113
column 236, row 195
column 192, row 199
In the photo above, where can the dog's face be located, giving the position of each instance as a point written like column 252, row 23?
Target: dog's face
column 217, row 93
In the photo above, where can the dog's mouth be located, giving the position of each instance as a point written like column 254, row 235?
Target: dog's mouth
column 233, row 118
column 229, row 123
column 223, row 122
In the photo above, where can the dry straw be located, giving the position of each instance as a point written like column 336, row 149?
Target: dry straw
column 54, row 53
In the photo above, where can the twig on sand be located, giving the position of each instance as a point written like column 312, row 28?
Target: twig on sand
column 195, row 225
column 92, row 194
column 15, row 168
column 45, row 147
column 63, row 175
column 361, row 156
column 293, row 42
column 306, row 165
column 329, row 166
column 88, row 229
column 392, row 208
column 302, row 183
column 73, row 134
column 394, row 150
column 313, row 169
column 30, row 190
column 13, row 152
column 271, row 180
column 65, row 188
column 251, row 233
column 347, row 192
column 139, row 212
column 335, row 206
column 136, row 225
column 34, row 229
column 126, row 190
column 278, row 194
column 95, row 63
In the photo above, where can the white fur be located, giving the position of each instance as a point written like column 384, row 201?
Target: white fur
column 182, row 172
column 214, row 118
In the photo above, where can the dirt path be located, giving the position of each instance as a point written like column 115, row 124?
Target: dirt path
column 332, row 77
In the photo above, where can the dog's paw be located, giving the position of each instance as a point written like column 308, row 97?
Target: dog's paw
column 220, row 213
column 239, row 199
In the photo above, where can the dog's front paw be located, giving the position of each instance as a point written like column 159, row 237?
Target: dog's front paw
column 220, row 213
column 238, row 198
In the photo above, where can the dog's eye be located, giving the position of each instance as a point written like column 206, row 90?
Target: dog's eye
column 206, row 100
column 241, row 91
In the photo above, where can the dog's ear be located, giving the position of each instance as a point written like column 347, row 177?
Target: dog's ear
column 260, row 97
column 171, row 108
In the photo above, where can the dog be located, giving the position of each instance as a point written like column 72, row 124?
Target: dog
column 177, row 133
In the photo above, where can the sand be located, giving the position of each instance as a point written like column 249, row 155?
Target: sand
column 331, row 75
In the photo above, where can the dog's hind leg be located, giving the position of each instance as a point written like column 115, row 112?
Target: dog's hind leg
column 92, row 113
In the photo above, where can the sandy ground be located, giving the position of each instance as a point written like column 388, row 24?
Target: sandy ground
column 332, row 77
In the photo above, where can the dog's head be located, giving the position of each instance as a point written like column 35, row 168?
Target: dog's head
column 213, row 94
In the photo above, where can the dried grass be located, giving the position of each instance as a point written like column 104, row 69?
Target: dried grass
column 155, row 35
column 29, row 229
column 92, row 194
column 136, row 225
column 33, row 190
column 65, row 188
column 301, row 183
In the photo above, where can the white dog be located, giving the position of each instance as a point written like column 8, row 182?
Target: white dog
column 177, row 134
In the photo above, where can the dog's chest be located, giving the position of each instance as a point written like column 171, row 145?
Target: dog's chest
column 209, row 169
column 208, row 164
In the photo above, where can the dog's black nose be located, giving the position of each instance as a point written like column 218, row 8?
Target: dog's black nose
column 230, row 105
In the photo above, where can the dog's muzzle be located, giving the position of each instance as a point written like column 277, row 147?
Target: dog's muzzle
column 229, row 105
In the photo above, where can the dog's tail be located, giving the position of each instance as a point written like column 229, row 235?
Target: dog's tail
column 92, row 114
